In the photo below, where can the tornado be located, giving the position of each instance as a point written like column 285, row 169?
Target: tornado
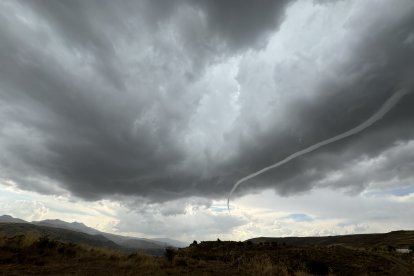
column 385, row 108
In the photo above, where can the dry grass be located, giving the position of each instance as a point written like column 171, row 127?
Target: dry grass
column 263, row 265
column 36, row 255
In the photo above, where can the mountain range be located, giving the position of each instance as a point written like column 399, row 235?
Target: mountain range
column 47, row 226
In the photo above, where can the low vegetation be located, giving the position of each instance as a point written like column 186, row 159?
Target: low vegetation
column 31, row 254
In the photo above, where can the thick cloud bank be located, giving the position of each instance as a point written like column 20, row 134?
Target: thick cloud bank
column 170, row 99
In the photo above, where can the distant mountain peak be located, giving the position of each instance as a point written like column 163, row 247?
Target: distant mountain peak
column 10, row 219
column 76, row 226
column 75, row 223
column 78, row 223
column 53, row 220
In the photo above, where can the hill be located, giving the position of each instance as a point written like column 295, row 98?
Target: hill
column 75, row 226
column 23, row 255
column 143, row 245
column 153, row 246
column 59, row 234
column 10, row 219
column 401, row 239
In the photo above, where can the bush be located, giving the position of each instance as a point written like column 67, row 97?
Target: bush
column 169, row 253
column 46, row 243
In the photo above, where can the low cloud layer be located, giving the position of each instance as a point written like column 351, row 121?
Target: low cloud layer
column 163, row 100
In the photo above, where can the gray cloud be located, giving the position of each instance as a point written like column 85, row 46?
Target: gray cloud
column 243, row 24
column 131, row 99
column 186, row 219
column 377, row 67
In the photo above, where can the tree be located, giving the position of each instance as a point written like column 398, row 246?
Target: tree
column 169, row 253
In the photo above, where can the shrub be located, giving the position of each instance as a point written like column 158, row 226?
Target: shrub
column 169, row 253
column 46, row 243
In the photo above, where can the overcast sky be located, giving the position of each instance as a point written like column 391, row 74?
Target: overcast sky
column 139, row 117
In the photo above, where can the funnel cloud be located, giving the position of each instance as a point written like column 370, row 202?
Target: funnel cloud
column 388, row 105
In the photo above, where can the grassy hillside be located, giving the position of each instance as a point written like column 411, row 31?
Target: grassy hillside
column 66, row 235
column 59, row 234
column 279, row 259
column 152, row 246
column 33, row 255
column 396, row 239
column 29, row 255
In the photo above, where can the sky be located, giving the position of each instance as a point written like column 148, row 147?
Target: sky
column 138, row 117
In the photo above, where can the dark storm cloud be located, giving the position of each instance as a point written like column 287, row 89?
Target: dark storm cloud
column 380, row 65
column 87, row 136
column 232, row 24
column 87, row 28
column 243, row 24
column 86, row 133
column 98, row 99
